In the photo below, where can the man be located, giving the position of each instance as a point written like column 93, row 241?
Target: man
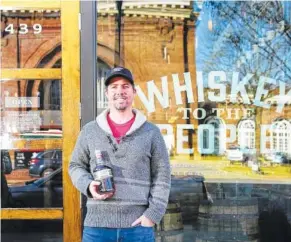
column 136, row 152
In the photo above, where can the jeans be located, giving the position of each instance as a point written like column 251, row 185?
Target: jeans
column 134, row 234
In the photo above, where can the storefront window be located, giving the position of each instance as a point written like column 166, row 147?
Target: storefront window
column 30, row 39
column 214, row 76
column 31, row 143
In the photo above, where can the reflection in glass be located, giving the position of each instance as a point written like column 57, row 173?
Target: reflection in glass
column 31, row 142
column 203, row 66
column 281, row 136
column 102, row 69
column 44, row 163
column 199, row 65
column 44, row 192
column 247, row 134
column 31, row 106
column 31, row 230
column 30, row 39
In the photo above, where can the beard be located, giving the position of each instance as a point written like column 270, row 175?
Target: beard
column 120, row 106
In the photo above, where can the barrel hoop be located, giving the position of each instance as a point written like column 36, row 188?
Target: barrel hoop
column 226, row 236
column 228, row 216
column 230, row 202
column 173, row 210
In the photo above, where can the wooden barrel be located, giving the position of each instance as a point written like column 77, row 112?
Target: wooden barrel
column 190, row 207
column 170, row 229
column 228, row 220
column 188, row 190
column 223, row 240
column 170, row 236
column 172, row 219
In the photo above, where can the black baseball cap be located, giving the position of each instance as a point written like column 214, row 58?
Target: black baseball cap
column 119, row 71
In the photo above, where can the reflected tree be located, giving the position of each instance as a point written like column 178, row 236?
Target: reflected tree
column 246, row 37
column 249, row 37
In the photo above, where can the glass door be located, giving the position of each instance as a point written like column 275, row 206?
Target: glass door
column 40, row 85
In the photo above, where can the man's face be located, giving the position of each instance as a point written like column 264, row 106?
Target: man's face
column 120, row 93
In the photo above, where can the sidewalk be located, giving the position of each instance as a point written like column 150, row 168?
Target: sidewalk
column 219, row 169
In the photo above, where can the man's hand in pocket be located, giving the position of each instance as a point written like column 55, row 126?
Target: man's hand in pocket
column 143, row 221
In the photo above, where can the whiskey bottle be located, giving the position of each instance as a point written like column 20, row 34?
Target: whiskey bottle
column 103, row 174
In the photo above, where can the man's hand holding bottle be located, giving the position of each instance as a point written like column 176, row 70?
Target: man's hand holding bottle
column 94, row 189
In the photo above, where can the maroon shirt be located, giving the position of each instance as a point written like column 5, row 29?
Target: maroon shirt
column 119, row 130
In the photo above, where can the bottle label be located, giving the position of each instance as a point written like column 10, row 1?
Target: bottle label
column 103, row 174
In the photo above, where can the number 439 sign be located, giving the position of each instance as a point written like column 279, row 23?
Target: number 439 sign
column 23, row 29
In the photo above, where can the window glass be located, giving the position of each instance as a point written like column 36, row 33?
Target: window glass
column 47, row 155
column 31, row 230
column 31, row 39
column 214, row 76
column 31, row 134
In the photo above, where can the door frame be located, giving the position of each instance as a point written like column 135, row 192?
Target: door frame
column 88, row 104
column 88, row 61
